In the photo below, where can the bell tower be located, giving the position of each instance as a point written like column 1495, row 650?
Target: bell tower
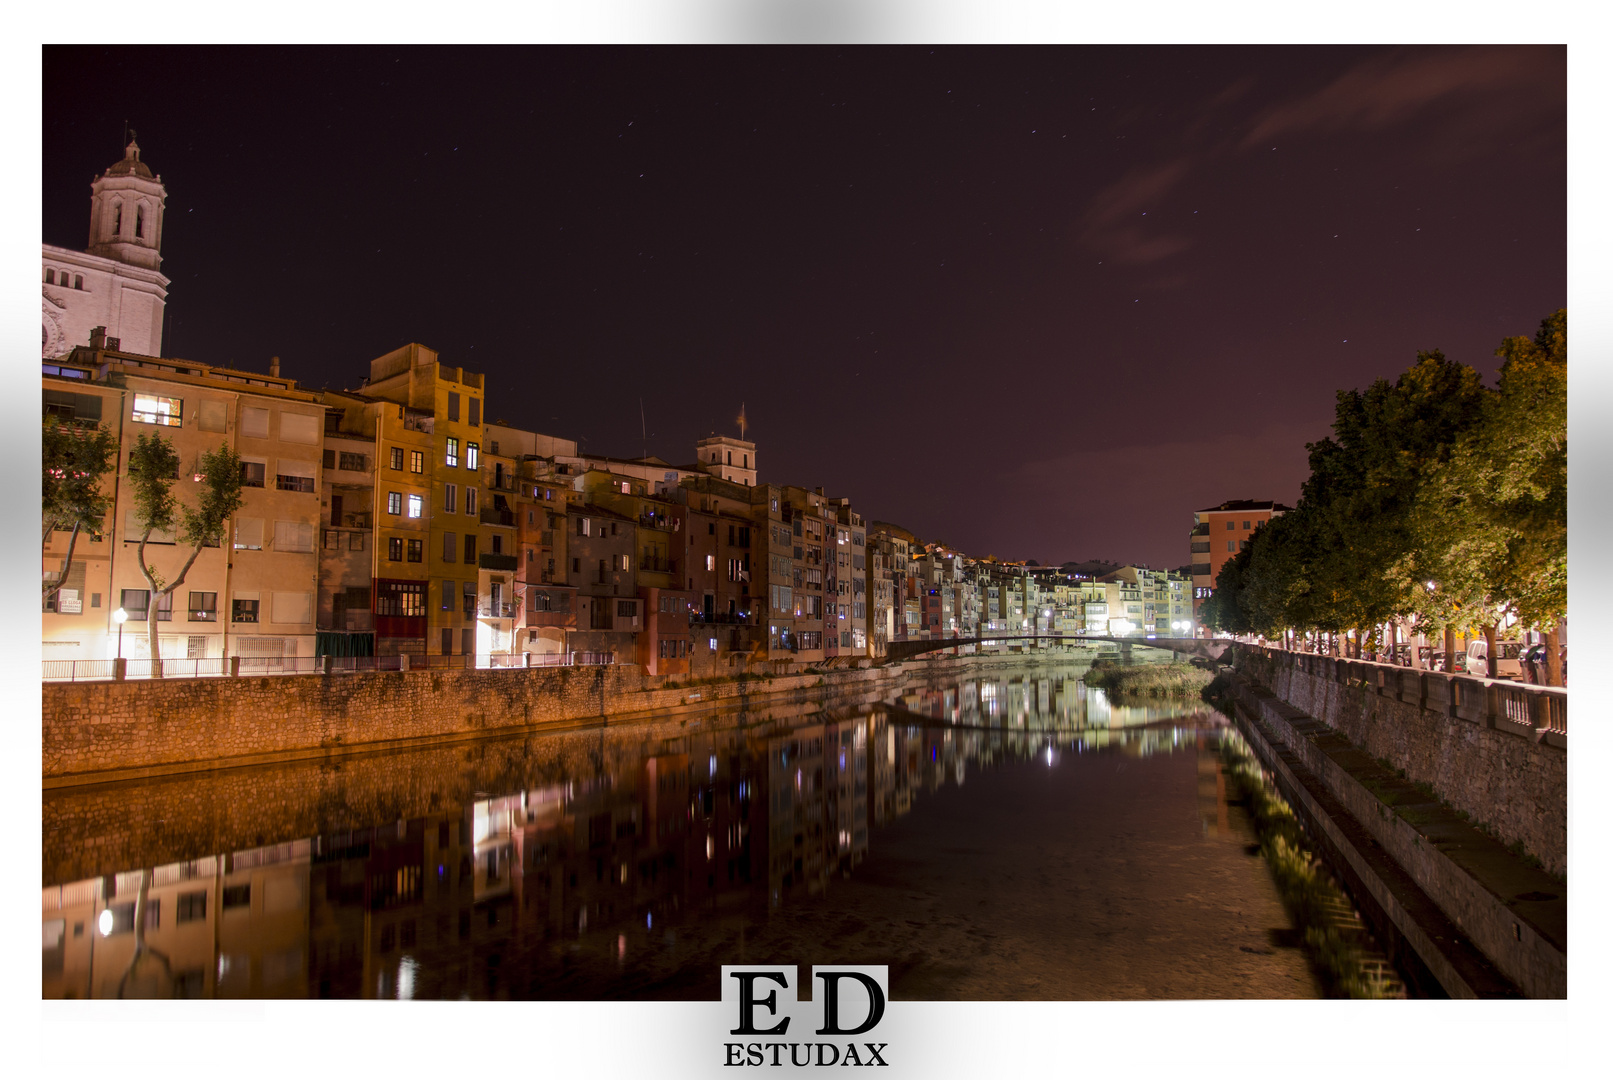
column 126, row 208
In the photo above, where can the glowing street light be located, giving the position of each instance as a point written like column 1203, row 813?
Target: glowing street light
column 120, row 617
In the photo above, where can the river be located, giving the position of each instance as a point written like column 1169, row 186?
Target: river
column 1012, row 836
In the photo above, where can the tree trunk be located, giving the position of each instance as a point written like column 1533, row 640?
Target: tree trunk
column 1450, row 649
column 1554, row 660
column 67, row 565
column 1489, row 649
column 1416, row 643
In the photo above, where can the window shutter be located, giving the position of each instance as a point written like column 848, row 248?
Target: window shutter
column 212, row 415
column 255, row 423
column 299, row 428
column 248, row 535
column 291, row 607
column 329, row 459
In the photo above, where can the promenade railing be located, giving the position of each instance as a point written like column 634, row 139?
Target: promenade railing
column 256, row 666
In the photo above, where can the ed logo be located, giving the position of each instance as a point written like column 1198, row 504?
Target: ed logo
column 763, row 1003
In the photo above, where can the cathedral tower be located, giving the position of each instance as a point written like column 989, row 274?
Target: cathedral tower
column 116, row 283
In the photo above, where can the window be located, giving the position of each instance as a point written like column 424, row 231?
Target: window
column 248, row 534
column 1231, row 545
column 449, row 501
column 447, row 590
column 711, row 562
column 470, row 547
column 626, row 609
column 416, row 550
column 212, row 416
column 397, row 457
column 332, row 540
column 471, row 455
column 453, row 407
column 204, row 607
column 192, row 907
column 294, row 475
column 450, row 456
column 355, row 541
column 1245, row 526
column 245, row 611
column 401, row 598
column 394, row 502
column 394, row 548
column 150, row 409
column 293, row 536
column 135, row 601
column 253, row 472
column 498, row 544
column 468, row 599
column 255, row 423
column 470, row 501
column 417, row 506
column 623, row 562
column 450, row 552
column 1231, row 525
column 473, row 410
column 350, row 462
column 417, row 461
column 293, row 607
column 300, row 428
column 576, row 566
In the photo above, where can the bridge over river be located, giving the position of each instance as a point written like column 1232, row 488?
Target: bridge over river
column 1207, row 647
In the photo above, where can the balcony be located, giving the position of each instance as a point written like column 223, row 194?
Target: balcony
column 489, row 561
column 492, row 516
column 496, row 611
column 1201, row 548
column 655, row 521
column 1201, row 530
column 719, row 618
column 419, row 420
column 656, row 564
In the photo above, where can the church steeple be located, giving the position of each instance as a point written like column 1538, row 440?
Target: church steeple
column 126, row 208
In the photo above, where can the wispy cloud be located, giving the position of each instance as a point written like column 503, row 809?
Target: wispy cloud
column 1113, row 222
column 1393, row 89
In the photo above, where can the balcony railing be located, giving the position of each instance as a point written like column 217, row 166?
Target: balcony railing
column 256, row 666
column 497, row 611
column 718, row 618
column 491, row 516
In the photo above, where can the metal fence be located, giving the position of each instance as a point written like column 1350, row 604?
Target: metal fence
column 256, row 666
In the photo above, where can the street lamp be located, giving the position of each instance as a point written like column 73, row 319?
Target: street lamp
column 120, row 617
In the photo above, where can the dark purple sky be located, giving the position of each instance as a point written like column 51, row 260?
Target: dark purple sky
column 1035, row 302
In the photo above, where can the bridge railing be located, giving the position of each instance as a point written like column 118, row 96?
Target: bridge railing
column 1524, row 709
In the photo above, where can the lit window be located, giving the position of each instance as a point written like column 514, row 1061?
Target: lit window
column 416, row 506
column 394, row 502
column 417, row 461
column 711, row 562
column 472, row 452
column 397, row 457
column 451, row 454
column 149, row 409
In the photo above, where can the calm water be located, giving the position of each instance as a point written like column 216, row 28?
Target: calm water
column 1012, row 837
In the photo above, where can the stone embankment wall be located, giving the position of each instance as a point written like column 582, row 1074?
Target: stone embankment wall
column 1497, row 752
column 95, row 732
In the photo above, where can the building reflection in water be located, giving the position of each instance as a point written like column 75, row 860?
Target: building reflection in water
column 746, row 811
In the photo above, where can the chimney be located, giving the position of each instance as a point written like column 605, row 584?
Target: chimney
column 274, row 366
column 98, row 338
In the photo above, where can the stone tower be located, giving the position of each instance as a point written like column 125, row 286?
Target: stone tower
column 116, row 284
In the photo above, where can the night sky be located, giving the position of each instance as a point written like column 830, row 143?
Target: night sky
column 1034, row 302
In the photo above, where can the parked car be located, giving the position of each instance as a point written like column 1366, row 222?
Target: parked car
column 1508, row 663
column 1432, row 659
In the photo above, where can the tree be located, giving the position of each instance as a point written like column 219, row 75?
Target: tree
column 153, row 468
column 1223, row 610
column 1492, row 521
column 73, row 460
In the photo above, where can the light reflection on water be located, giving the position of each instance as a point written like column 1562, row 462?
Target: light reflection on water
column 604, row 849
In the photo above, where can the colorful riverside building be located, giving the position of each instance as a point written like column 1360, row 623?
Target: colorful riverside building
column 254, row 595
column 1219, row 533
